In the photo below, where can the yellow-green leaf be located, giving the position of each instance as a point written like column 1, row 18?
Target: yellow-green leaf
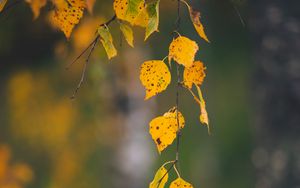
column 195, row 17
column 194, row 74
column 107, row 41
column 183, row 51
column 2, row 4
column 180, row 183
column 203, row 113
column 155, row 77
column 67, row 14
column 160, row 178
column 128, row 10
column 128, row 33
column 153, row 18
column 163, row 129
column 36, row 6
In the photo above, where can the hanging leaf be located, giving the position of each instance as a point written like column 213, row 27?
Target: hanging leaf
column 2, row 4
column 160, row 178
column 128, row 33
column 153, row 18
column 203, row 115
column 183, row 51
column 194, row 74
column 195, row 17
column 180, row 183
column 128, row 10
column 67, row 14
column 163, row 129
column 142, row 19
column 90, row 5
column 155, row 77
column 107, row 41
column 36, row 6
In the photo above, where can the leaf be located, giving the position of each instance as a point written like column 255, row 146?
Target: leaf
column 67, row 14
column 183, row 51
column 107, row 41
column 195, row 17
column 160, row 178
column 2, row 4
column 128, row 33
column 90, row 5
column 204, row 115
column 128, row 10
column 180, row 183
column 163, row 129
column 155, row 77
column 36, row 6
column 153, row 18
column 194, row 74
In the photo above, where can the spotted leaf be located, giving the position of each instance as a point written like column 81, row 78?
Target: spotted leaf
column 128, row 33
column 128, row 10
column 183, row 51
column 155, row 77
column 163, row 129
column 195, row 17
column 107, row 41
column 180, row 183
column 160, row 178
column 67, row 14
column 194, row 74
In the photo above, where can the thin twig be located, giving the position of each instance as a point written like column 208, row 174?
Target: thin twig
column 239, row 15
column 169, row 169
column 84, row 69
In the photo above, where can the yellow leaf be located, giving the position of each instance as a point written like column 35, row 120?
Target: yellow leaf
column 107, row 41
column 163, row 129
column 183, row 51
column 180, row 183
column 155, row 76
column 195, row 17
column 90, row 5
column 36, row 6
column 194, row 74
column 67, row 14
column 128, row 10
column 128, row 33
column 204, row 115
column 142, row 19
column 160, row 178
column 2, row 4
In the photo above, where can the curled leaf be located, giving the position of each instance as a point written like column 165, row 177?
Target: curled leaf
column 155, row 77
column 163, row 129
column 203, row 115
column 107, row 41
column 180, row 183
column 183, row 51
column 160, row 178
column 195, row 17
column 67, row 14
column 194, row 74
column 128, row 33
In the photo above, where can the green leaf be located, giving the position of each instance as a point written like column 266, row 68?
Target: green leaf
column 160, row 178
column 107, row 41
column 128, row 33
column 153, row 18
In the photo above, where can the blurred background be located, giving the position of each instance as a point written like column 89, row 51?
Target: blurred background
column 101, row 138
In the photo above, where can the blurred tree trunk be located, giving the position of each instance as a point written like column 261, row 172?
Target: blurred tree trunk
column 275, row 29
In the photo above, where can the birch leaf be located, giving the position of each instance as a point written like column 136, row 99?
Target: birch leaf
column 180, row 183
column 107, row 41
column 67, row 14
column 203, row 113
column 153, row 18
column 160, row 178
column 128, row 33
column 155, row 77
column 90, row 5
column 194, row 74
column 163, row 129
column 2, row 4
column 183, row 51
column 195, row 17
column 128, row 10
column 36, row 6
